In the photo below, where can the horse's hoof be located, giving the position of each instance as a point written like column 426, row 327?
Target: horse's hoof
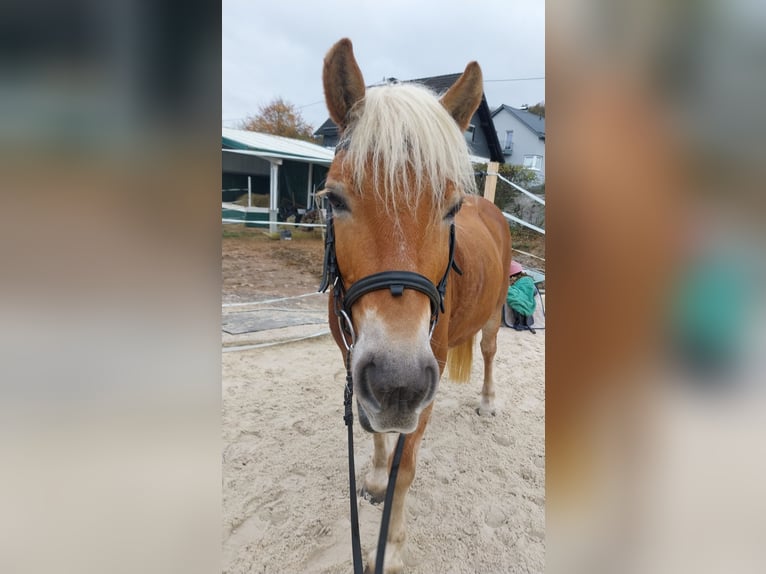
column 393, row 563
column 485, row 412
column 375, row 485
column 372, row 497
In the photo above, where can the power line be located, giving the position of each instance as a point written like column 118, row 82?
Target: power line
column 311, row 104
column 224, row 120
column 528, row 79
column 531, row 78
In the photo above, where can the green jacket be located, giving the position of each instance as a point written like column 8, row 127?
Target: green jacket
column 521, row 296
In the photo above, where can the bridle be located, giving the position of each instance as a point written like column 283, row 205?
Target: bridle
column 395, row 281
column 343, row 300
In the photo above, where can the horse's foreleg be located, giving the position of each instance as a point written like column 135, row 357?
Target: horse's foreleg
column 376, row 480
column 488, row 350
column 394, row 561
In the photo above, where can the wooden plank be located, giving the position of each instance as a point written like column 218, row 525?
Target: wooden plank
column 491, row 181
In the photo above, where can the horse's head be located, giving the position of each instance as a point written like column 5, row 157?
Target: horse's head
column 395, row 186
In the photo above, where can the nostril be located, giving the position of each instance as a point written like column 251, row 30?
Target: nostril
column 431, row 379
column 366, row 384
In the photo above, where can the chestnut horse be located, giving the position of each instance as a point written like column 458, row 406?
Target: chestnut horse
column 400, row 185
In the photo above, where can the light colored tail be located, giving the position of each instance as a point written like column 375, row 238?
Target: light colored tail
column 459, row 361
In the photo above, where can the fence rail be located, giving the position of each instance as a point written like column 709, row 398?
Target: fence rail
column 257, row 222
column 515, row 219
column 537, row 198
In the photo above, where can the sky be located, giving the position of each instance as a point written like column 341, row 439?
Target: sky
column 275, row 48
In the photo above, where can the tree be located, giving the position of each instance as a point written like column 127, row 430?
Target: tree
column 538, row 109
column 280, row 118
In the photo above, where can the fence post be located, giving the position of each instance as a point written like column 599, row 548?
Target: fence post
column 491, row 181
column 274, row 195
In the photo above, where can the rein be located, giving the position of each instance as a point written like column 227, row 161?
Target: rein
column 343, row 300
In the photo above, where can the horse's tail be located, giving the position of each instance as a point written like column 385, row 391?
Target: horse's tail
column 459, row 361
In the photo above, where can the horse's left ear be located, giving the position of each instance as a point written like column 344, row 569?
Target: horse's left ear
column 464, row 97
column 343, row 82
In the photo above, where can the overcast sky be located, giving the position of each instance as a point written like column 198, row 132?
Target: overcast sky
column 275, row 48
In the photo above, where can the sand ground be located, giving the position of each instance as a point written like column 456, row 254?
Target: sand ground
column 477, row 501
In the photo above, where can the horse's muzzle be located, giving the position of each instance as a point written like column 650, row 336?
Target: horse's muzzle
column 392, row 391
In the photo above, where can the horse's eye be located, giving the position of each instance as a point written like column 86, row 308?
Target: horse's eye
column 336, row 202
column 453, row 210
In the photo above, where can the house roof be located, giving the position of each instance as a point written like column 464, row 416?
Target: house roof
column 441, row 84
column 438, row 84
column 278, row 147
column 328, row 128
column 532, row 121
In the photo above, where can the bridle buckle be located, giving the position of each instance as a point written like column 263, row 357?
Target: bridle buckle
column 346, row 327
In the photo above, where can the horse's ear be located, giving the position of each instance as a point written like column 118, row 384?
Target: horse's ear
column 464, row 97
column 343, row 81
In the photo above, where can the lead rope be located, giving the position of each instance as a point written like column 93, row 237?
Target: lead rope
column 383, row 536
column 356, row 541
column 331, row 276
column 348, row 418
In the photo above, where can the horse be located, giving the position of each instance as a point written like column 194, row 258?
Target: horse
column 419, row 261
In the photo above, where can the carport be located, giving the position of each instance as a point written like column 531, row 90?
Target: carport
column 265, row 177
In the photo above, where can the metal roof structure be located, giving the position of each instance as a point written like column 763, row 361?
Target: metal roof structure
column 275, row 147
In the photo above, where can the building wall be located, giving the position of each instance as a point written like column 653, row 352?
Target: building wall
column 479, row 145
column 329, row 140
column 525, row 141
column 244, row 164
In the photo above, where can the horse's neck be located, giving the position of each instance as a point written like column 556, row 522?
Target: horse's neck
column 481, row 248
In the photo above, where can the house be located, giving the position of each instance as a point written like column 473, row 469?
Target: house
column 480, row 135
column 522, row 134
column 266, row 177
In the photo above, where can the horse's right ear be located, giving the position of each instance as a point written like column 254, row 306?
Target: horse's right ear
column 343, row 82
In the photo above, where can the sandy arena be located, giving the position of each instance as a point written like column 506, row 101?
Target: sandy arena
column 478, row 501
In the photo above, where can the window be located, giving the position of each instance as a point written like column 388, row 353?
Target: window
column 534, row 162
column 508, row 141
column 469, row 133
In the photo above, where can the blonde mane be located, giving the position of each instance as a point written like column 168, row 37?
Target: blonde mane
column 414, row 145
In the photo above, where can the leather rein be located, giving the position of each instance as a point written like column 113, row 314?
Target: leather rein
column 343, row 300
